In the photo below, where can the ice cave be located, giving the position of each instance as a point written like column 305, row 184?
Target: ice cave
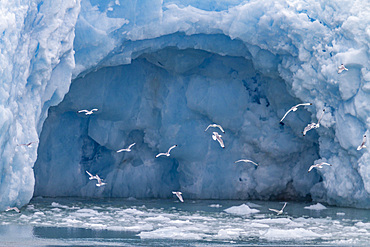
column 159, row 72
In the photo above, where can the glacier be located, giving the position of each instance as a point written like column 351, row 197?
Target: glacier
column 160, row 72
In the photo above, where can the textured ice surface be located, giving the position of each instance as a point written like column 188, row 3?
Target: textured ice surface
column 190, row 222
column 159, row 72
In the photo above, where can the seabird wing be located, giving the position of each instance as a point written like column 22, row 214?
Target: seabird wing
column 129, row 147
column 306, row 129
column 222, row 130
column 303, row 104
column 160, row 154
column 169, row 150
column 362, row 144
column 250, row 161
column 180, row 197
column 94, row 109
column 323, row 111
column 283, row 207
column 83, row 111
column 311, row 167
column 286, row 114
column 121, row 150
column 89, row 174
column 324, row 163
column 220, row 141
column 274, row 210
column 178, row 194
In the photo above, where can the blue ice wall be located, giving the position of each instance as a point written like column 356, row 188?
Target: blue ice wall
column 161, row 103
column 159, row 72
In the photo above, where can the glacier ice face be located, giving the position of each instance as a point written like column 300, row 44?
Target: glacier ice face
column 160, row 71
column 36, row 48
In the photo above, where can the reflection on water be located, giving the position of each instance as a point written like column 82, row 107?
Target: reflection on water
column 104, row 222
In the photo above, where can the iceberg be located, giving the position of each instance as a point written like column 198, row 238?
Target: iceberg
column 159, row 72
column 317, row 206
column 241, row 210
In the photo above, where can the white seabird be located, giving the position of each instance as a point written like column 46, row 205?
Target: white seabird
column 341, row 68
column 126, row 149
column 278, row 211
column 217, row 136
column 12, row 208
column 179, row 195
column 294, row 108
column 167, row 153
column 215, row 126
column 27, row 144
column 313, row 125
column 319, row 165
column 308, row 128
column 247, row 161
column 91, row 176
column 100, row 183
column 363, row 143
column 87, row 112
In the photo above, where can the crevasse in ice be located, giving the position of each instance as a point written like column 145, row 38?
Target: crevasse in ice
column 160, row 72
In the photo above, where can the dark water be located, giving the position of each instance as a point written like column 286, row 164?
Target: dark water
column 118, row 222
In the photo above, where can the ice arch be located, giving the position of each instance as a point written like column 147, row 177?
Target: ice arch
column 167, row 97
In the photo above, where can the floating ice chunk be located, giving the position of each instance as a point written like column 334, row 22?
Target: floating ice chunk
column 363, row 225
column 288, row 234
column 132, row 211
column 317, row 206
column 241, row 210
column 215, row 205
column 258, row 225
column 229, row 233
column 171, row 233
column 139, row 228
column 160, row 218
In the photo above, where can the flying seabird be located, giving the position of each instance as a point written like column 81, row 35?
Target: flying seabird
column 341, row 68
column 319, row 165
column 179, row 195
column 126, row 149
column 27, row 144
column 215, row 126
column 87, row 112
column 167, row 153
column 308, row 128
column 363, row 143
column 12, row 208
column 247, row 161
column 313, row 125
column 294, row 108
column 91, row 176
column 100, row 183
column 217, row 136
column 278, row 211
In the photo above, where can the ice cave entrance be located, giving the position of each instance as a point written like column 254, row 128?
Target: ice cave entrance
column 168, row 97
